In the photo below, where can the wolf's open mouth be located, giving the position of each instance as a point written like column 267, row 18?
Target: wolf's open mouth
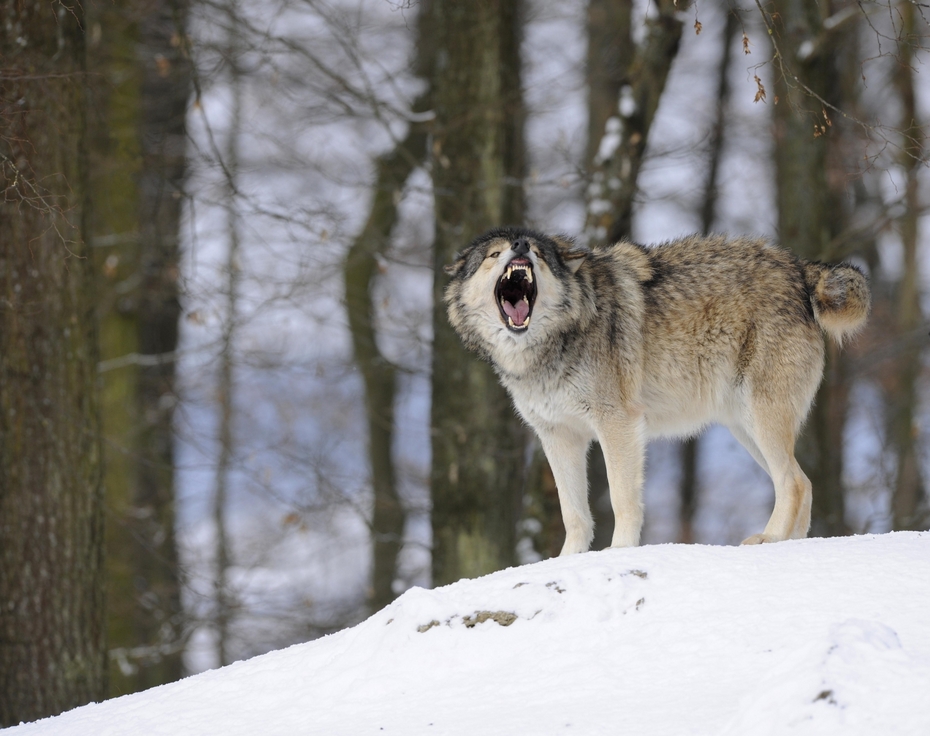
column 516, row 294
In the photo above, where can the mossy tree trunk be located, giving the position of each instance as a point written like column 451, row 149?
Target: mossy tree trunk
column 52, row 621
column 478, row 444
column 138, row 93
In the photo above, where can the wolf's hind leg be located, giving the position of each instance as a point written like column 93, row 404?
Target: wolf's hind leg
column 774, row 436
column 624, row 446
column 746, row 440
column 567, row 453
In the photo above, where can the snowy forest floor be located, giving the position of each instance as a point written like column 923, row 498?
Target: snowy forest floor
column 818, row 636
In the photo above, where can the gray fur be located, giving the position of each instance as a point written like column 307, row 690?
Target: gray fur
column 625, row 342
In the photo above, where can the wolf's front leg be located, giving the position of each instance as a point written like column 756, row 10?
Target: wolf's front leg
column 623, row 442
column 567, row 453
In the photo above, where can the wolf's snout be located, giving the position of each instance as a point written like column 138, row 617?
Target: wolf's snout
column 521, row 246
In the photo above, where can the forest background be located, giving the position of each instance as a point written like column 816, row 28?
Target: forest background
column 232, row 413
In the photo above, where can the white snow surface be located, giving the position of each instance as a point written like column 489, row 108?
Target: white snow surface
column 818, row 636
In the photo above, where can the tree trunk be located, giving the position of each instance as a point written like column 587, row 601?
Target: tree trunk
column 609, row 58
column 478, row 444
column 224, row 600
column 166, row 85
column 811, row 211
column 621, row 143
column 360, row 273
column 52, row 622
column 144, row 627
column 909, row 503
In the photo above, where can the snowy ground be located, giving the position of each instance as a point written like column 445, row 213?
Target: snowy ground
column 820, row 636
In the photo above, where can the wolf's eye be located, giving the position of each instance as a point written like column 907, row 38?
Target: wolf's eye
column 495, row 254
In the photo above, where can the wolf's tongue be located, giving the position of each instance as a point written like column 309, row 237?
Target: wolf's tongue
column 517, row 312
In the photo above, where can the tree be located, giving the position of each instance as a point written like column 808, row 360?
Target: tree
column 812, row 212
column 52, row 626
column 908, row 504
column 378, row 374
column 360, row 272
column 624, row 135
column 138, row 90
column 477, row 164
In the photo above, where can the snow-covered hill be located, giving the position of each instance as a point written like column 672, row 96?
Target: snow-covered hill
column 820, row 636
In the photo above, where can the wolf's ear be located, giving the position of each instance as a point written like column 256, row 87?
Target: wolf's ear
column 453, row 268
column 573, row 254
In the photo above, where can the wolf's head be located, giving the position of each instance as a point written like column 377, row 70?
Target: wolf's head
column 508, row 284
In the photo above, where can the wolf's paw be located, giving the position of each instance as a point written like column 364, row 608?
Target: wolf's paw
column 574, row 547
column 761, row 539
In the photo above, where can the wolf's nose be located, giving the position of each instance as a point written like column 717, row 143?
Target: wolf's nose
column 521, row 246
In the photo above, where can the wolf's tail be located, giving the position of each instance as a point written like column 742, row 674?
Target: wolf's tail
column 840, row 296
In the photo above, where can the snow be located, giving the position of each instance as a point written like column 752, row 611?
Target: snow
column 818, row 636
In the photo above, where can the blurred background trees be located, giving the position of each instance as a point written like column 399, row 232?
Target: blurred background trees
column 292, row 434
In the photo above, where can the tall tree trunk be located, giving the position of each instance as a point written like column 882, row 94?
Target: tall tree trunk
column 478, row 445
column 621, row 144
column 114, row 156
column 609, row 58
column 226, row 380
column 52, row 618
column 909, row 502
column 166, row 85
column 811, row 212
column 360, row 272
column 139, row 88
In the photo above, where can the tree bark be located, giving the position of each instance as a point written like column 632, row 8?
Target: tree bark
column 52, row 618
column 622, row 140
column 811, row 212
column 139, row 67
column 478, row 445
column 909, row 501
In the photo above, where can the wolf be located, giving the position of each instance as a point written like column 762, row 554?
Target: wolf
column 626, row 342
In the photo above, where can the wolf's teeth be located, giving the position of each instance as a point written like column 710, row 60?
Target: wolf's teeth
column 529, row 275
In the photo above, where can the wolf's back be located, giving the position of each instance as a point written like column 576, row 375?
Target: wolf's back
column 840, row 296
